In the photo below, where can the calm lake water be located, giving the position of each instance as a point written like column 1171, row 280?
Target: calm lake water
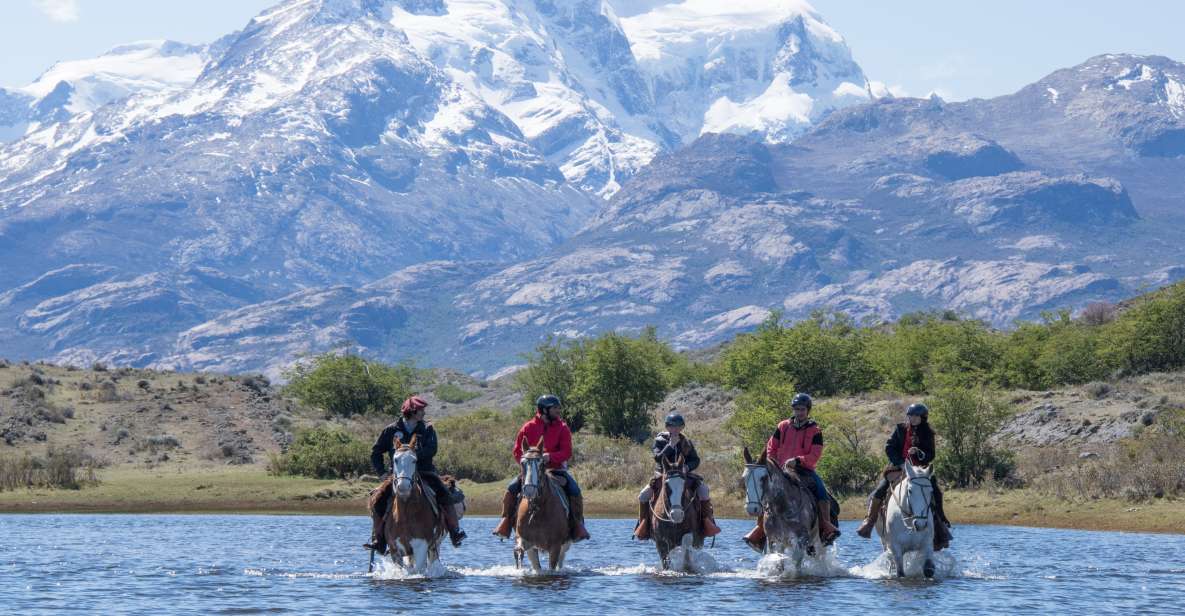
column 207, row 564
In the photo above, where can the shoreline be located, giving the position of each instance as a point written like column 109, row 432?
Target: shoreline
column 254, row 492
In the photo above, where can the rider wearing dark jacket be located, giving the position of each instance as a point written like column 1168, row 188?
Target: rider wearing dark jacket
column 411, row 425
column 668, row 447
column 912, row 440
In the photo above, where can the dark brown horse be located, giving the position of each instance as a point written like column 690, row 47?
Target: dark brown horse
column 788, row 506
column 675, row 515
column 413, row 527
column 542, row 522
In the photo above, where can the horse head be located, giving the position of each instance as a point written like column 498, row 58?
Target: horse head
column 403, row 467
column 918, row 486
column 675, row 482
column 532, row 468
column 756, row 478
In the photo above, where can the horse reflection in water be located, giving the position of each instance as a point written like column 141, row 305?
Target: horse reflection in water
column 413, row 526
column 788, row 504
column 675, row 516
column 908, row 523
column 542, row 519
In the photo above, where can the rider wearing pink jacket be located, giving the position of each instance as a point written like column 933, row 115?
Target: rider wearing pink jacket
column 796, row 445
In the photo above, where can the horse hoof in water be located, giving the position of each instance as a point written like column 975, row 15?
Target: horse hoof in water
column 928, row 569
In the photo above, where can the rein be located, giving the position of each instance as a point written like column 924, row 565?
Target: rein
column 665, row 491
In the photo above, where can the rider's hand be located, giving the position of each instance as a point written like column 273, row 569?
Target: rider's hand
column 790, row 465
column 546, row 458
column 914, row 451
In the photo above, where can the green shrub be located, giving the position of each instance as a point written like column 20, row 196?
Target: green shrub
column 477, row 445
column 610, row 463
column 1071, row 354
column 824, row 355
column 60, row 468
column 454, row 394
column 349, row 385
column 1150, row 335
column 551, row 369
column 846, row 465
column 965, row 419
column 619, row 382
column 925, row 347
column 758, row 412
column 324, row 453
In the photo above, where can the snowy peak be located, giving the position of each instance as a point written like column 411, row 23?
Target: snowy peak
column 770, row 67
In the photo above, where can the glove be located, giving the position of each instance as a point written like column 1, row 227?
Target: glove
column 915, row 452
column 790, row 465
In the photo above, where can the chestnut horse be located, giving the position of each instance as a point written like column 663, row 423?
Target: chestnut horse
column 412, row 526
column 674, row 514
column 542, row 522
column 788, row 504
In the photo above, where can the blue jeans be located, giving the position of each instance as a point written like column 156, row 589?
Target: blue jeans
column 820, row 489
column 572, row 488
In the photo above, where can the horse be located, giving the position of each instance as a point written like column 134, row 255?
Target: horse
column 908, row 523
column 413, row 526
column 541, row 522
column 788, row 504
column 674, row 514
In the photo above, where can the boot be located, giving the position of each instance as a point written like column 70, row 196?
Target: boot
column 579, row 533
column 455, row 534
column 756, row 537
column 827, row 531
column 708, row 519
column 506, row 524
column 942, row 535
column 377, row 542
column 642, row 530
column 874, row 511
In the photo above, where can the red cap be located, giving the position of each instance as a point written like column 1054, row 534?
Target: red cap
column 413, row 404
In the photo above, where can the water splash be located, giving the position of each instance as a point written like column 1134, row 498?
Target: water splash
column 945, row 566
column 781, row 566
column 387, row 569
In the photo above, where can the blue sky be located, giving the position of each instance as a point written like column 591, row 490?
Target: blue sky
column 958, row 48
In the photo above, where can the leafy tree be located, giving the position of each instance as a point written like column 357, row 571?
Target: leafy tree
column 1150, row 335
column 349, row 385
column 965, row 419
column 619, row 382
column 552, row 369
column 758, row 412
column 846, row 465
column 926, row 347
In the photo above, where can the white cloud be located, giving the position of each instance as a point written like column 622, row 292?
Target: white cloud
column 59, row 10
column 881, row 89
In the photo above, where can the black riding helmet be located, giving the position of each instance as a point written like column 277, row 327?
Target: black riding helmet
column 917, row 408
column 674, row 419
column 801, row 399
column 546, row 401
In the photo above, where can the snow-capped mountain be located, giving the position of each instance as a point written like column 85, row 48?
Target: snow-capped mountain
column 453, row 180
column 81, row 86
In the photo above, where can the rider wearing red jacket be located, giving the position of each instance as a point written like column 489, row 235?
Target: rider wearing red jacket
column 557, row 445
column 796, row 445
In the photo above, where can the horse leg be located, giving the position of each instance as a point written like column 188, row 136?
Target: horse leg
column 928, row 551
column 555, row 557
column 898, row 560
column 419, row 555
column 564, row 553
column 686, row 544
column 533, row 556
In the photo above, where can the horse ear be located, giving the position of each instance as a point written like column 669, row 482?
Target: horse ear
column 414, row 439
column 525, row 446
column 764, row 458
column 540, row 446
column 398, row 443
column 679, row 461
column 748, row 456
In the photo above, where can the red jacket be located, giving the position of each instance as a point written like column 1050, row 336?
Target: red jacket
column 805, row 443
column 557, row 441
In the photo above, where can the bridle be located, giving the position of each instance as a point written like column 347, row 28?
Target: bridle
column 754, row 490
column 399, row 473
column 911, row 519
column 667, row 475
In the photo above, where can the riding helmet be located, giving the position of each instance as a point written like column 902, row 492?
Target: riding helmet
column 801, row 399
column 413, row 404
column 917, row 408
column 547, row 401
column 674, row 419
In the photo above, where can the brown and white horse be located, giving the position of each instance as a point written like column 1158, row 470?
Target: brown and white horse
column 412, row 526
column 788, row 504
column 674, row 515
column 541, row 522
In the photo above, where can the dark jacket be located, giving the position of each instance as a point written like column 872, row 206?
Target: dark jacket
column 425, row 446
column 923, row 438
column 663, row 449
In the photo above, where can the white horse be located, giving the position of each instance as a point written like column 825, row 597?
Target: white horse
column 908, row 523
